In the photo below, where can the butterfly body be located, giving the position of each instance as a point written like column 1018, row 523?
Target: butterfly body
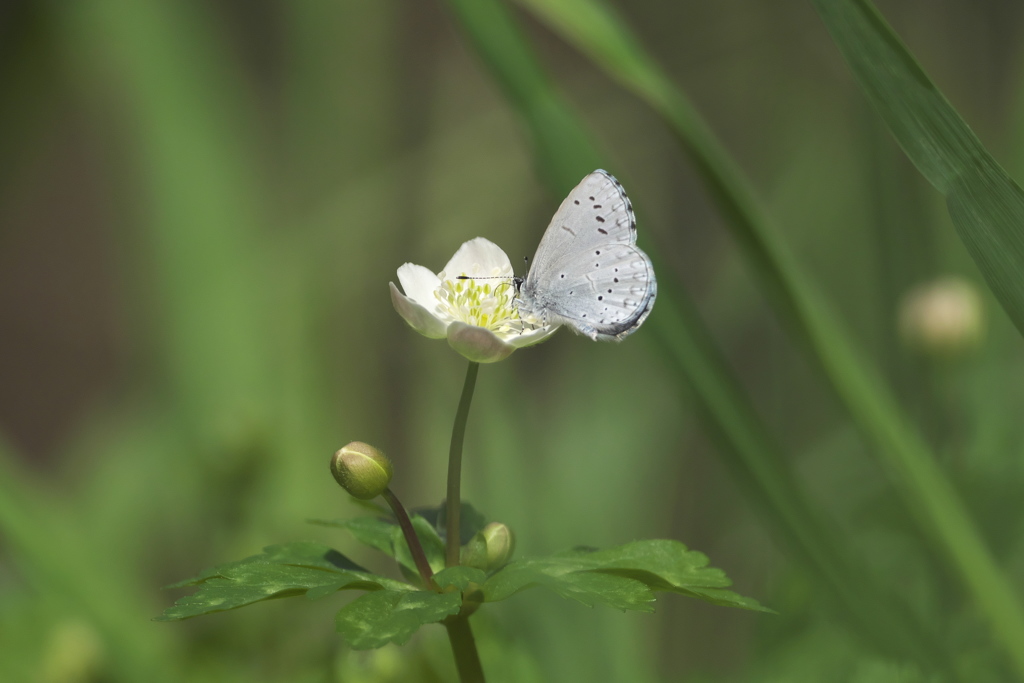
column 588, row 272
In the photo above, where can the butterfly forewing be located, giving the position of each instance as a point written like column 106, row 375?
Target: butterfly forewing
column 597, row 211
column 587, row 273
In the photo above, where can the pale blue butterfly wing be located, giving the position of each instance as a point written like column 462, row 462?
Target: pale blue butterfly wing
column 588, row 272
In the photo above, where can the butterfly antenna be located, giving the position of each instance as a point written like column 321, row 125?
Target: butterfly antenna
column 515, row 281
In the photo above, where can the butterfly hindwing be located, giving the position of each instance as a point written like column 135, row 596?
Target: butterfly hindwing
column 610, row 298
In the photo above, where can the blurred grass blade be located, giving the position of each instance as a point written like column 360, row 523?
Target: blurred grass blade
column 190, row 129
column 563, row 151
column 594, row 29
column 761, row 467
column 879, row 617
column 986, row 205
column 62, row 560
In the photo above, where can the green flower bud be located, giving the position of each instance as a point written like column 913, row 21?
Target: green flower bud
column 362, row 470
column 490, row 548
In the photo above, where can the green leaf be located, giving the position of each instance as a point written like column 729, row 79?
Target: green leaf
column 570, row 580
column 388, row 616
column 666, row 565
column 432, row 544
column 300, row 554
column 281, row 571
column 309, row 554
column 386, row 536
column 471, row 520
column 623, row 577
column 461, row 577
column 376, row 532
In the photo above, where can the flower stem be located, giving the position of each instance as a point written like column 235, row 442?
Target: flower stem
column 415, row 547
column 467, row 661
column 454, row 500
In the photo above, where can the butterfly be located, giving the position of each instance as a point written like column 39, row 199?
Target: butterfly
column 588, row 272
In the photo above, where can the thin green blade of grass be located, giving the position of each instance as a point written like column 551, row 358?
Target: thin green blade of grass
column 879, row 618
column 596, row 31
column 986, row 205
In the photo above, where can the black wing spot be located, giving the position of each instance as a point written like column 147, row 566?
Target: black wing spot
column 563, row 277
column 602, row 231
column 597, row 265
column 614, row 279
column 576, row 202
column 609, row 291
column 600, row 297
column 597, row 206
column 598, row 252
column 600, row 219
column 591, row 199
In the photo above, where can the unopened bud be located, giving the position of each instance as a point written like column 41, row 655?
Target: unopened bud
column 942, row 318
column 362, row 470
column 490, row 548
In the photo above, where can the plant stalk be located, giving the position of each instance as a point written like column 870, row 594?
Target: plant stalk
column 454, row 500
column 467, row 660
column 415, row 547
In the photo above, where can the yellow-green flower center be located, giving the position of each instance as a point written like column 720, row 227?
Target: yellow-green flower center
column 482, row 303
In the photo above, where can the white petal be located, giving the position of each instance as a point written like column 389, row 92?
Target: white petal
column 532, row 337
column 480, row 257
column 418, row 317
column 477, row 344
column 419, row 284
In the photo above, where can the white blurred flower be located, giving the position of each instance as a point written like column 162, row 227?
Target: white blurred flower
column 942, row 317
column 477, row 316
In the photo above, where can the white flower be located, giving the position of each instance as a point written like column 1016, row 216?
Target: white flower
column 478, row 316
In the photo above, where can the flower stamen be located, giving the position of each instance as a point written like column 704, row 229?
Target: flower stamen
column 478, row 303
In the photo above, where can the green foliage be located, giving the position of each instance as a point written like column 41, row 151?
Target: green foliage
column 194, row 265
column 376, row 619
column 281, row 571
column 624, row 577
column 986, row 205
column 386, row 536
column 752, row 450
column 460, row 577
column 987, row 208
column 471, row 520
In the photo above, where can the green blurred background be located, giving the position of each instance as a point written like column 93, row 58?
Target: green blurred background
column 201, row 205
